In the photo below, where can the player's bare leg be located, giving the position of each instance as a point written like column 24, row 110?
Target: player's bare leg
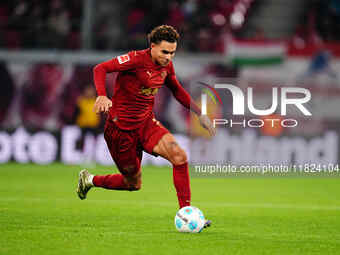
column 169, row 149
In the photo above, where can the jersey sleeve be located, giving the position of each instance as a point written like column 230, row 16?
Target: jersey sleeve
column 179, row 92
column 124, row 62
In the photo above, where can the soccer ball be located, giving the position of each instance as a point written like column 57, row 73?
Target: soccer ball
column 189, row 219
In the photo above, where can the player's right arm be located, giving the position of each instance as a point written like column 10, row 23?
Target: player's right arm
column 121, row 63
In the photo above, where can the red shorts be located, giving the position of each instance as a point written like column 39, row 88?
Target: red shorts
column 126, row 146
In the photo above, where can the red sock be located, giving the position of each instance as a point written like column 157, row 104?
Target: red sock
column 182, row 184
column 111, row 181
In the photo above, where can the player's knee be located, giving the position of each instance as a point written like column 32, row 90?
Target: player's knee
column 179, row 158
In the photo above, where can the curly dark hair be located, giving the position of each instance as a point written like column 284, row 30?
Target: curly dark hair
column 163, row 33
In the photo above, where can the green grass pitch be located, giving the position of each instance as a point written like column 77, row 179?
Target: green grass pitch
column 40, row 213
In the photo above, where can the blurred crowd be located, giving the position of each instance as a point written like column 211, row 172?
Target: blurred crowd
column 117, row 25
column 327, row 19
column 40, row 24
column 122, row 25
column 320, row 22
column 47, row 96
column 201, row 23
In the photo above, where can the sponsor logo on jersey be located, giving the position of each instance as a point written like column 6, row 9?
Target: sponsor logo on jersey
column 148, row 91
column 123, row 59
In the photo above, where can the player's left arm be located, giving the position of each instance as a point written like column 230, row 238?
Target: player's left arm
column 124, row 62
column 184, row 98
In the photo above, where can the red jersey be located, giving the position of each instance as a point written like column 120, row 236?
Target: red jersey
column 137, row 83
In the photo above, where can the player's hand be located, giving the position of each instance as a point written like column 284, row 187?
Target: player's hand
column 102, row 104
column 206, row 123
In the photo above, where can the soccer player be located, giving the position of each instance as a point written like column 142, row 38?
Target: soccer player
column 131, row 127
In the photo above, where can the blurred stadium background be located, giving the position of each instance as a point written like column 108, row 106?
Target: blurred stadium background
column 48, row 49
